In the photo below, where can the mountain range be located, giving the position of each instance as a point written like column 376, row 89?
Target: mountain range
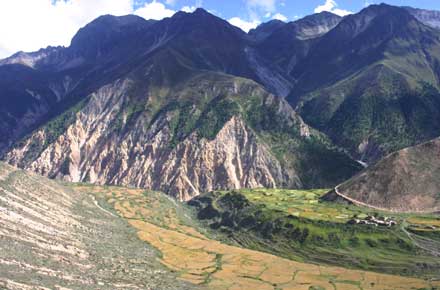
column 191, row 104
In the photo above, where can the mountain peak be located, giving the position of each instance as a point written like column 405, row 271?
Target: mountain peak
column 105, row 32
column 201, row 20
column 201, row 11
column 112, row 20
column 380, row 9
column 381, row 18
column 266, row 29
column 325, row 14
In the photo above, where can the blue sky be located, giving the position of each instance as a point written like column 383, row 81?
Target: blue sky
column 28, row 25
column 291, row 8
column 250, row 10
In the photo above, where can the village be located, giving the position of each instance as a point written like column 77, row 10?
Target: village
column 375, row 221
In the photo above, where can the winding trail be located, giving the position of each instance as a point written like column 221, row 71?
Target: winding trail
column 360, row 203
column 101, row 208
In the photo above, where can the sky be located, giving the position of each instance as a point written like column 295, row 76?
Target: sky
column 28, row 25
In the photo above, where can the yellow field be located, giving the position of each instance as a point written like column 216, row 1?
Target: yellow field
column 419, row 221
column 203, row 261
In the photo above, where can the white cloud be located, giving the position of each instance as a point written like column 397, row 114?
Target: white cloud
column 279, row 16
column 154, row 10
column 256, row 8
column 368, row 3
column 188, row 9
column 265, row 5
column 331, row 6
column 244, row 25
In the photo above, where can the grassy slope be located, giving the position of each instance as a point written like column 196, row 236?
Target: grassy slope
column 369, row 87
column 296, row 225
column 377, row 105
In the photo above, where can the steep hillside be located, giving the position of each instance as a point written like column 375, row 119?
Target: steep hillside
column 51, row 80
column 54, row 237
column 278, row 48
column 35, row 87
column 287, row 45
column 210, row 132
column 117, row 107
column 405, row 181
column 376, row 90
column 25, row 97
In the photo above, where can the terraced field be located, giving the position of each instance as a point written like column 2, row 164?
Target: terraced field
column 302, row 203
column 189, row 252
column 297, row 225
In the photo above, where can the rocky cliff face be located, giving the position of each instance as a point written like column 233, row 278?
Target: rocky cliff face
column 96, row 145
column 89, row 150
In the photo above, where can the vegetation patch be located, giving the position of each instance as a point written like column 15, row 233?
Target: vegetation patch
column 295, row 224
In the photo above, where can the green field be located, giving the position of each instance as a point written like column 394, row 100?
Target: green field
column 296, row 224
column 302, row 203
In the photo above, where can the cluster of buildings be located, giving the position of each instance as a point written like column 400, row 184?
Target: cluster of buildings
column 376, row 221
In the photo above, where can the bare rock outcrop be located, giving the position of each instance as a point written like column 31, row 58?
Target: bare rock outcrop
column 90, row 151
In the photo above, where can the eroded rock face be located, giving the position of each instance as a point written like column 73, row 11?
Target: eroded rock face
column 90, row 151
